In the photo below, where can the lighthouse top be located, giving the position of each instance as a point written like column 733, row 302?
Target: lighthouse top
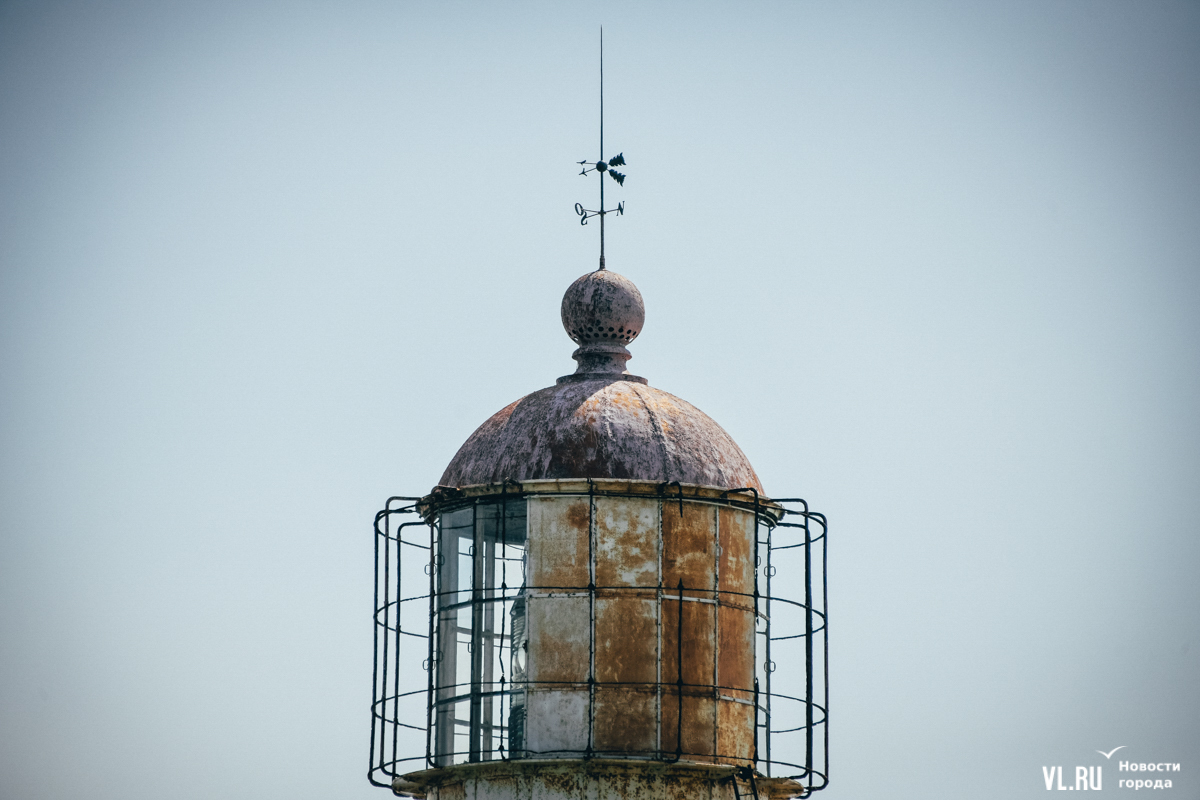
column 601, row 421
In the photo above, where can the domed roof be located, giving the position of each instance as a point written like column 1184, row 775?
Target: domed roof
column 601, row 422
column 601, row 428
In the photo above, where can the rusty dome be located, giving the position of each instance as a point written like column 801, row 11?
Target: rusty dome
column 601, row 428
column 601, row 422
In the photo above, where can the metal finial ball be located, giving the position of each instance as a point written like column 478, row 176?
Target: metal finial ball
column 603, row 307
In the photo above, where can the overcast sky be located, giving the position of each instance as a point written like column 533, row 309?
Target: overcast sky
column 935, row 267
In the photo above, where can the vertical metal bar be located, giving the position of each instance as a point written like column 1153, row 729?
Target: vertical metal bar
column 679, row 677
column 523, row 594
column 475, row 728
column 399, row 626
column 757, row 709
column 488, row 660
column 434, row 628
column 387, row 560
column 375, row 652
column 504, row 738
column 825, row 634
column 808, row 650
column 767, row 664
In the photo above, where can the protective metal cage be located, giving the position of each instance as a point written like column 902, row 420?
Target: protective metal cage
column 449, row 678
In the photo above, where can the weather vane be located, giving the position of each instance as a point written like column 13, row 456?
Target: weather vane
column 600, row 167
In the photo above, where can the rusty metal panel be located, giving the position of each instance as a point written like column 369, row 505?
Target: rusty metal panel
column 699, row 640
column 624, row 720
column 688, row 542
column 735, row 731
column 735, row 634
column 558, row 541
column 699, row 722
column 558, row 631
column 735, row 659
column 557, row 721
column 627, row 541
column 737, row 550
column 626, row 640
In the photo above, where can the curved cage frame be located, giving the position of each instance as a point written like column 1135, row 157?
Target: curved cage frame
column 791, row 687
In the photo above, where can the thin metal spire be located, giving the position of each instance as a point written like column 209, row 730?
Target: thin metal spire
column 601, row 145
column 601, row 167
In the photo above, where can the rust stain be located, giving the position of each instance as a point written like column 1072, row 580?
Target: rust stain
column 567, row 782
column 625, row 640
column 558, row 638
column 699, row 634
column 699, row 722
column 737, row 551
column 609, row 427
column 688, row 547
column 624, row 720
column 735, row 651
column 558, row 541
column 626, row 542
column 735, row 731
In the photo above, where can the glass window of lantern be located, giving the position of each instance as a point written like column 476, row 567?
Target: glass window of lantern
column 480, row 624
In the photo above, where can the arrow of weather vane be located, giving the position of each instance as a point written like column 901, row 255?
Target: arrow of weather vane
column 616, row 161
column 602, row 167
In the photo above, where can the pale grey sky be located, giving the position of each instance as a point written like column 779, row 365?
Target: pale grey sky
column 935, row 266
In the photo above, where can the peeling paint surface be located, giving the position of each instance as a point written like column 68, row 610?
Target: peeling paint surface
column 627, row 542
column 607, row 427
column 593, row 779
